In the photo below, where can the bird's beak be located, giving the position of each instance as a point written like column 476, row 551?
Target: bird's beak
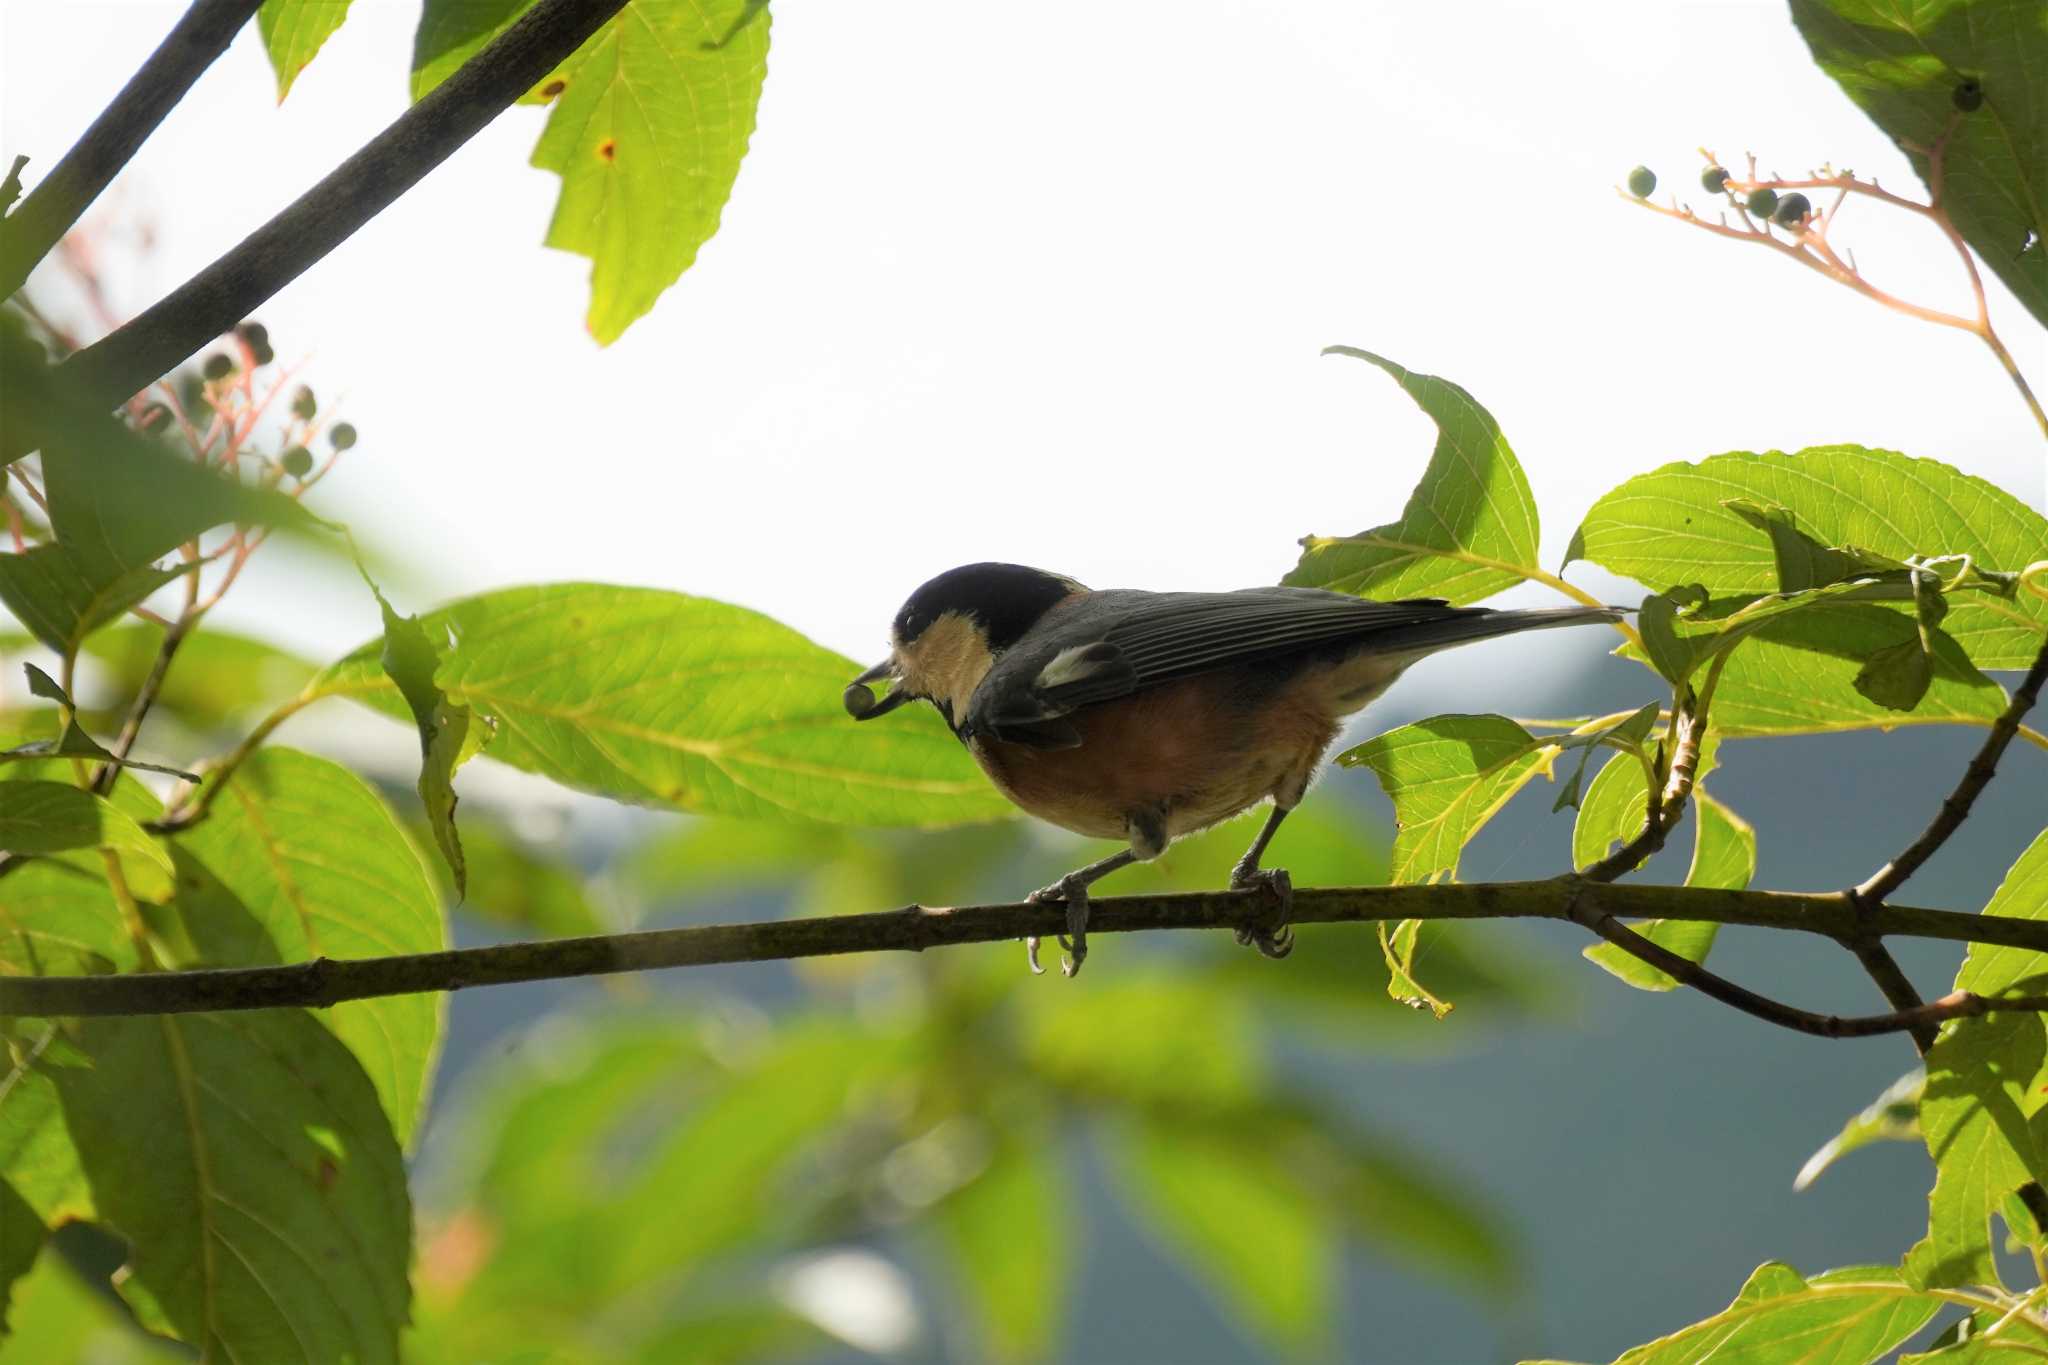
column 860, row 698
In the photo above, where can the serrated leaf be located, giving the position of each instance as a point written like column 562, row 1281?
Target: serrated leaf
column 1893, row 1116
column 52, row 817
column 1984, row 1096
column 1671, row 527
column 652, row 117
column 1010, row 1248
column 1845, row 1317
column 410, row 660
column 267, row 1207
column 1397, row 947
column 1902, row 64
column 661, row 699
column 299, row 858
column 293, row 33
column 1470, row 527
column 1446, row 777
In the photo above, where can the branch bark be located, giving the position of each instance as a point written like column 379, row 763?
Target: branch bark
column 322, row 982
column 116, row 135
column 328, row 214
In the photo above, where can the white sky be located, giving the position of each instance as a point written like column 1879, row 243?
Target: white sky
column 1048, row 284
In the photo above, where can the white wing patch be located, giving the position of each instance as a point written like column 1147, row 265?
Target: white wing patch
column 1081, row 663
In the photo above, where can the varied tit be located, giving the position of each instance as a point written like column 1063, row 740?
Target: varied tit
column 1144, row 716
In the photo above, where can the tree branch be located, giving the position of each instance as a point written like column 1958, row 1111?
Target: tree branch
column 115, row 136
column 1956, row 808
column 328, row 214
column 322, row 981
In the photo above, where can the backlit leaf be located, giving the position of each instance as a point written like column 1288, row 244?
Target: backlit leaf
column 410, row 659
column 1893, row 1116
column 1469, row 528
column 51, row 817
column 1844, row 1317
column 1723, row 857
column 293, row 32
column 1446, row 777
column 1009, row 1246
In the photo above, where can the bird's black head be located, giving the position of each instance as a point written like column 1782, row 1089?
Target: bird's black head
column 1004, row 600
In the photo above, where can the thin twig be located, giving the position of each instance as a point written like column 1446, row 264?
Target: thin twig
column 116, row 135
column 1956, row 808
column 351, row 195
column 138, row 710
column 324, row 981
column 1666, row 803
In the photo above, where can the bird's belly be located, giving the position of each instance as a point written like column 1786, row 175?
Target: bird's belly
column 1176, row 751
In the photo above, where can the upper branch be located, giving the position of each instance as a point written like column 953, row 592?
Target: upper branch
column 328, row 214
column 324, row 982
column 114, row 137
column 1956, row 808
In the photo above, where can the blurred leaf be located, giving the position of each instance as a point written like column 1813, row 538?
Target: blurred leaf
column 267, row 1206
column 73, row 742
column 1723, row 857
column 1147, row 1036
column 50, row 817
column 1893, row 1116
column 662, row 699
column 58, row 1318
column 293, row 32
column 652, row 117
column 716, row 855
column 1844, row 1316
column 1984, row 1092
column 1446, row 777
column 1266, row 1248
column 1469, row 528
column 517, row 884
column 1672, row 527
column 410, row 659
column 1006, row 1237
column 298, row 858
column 1902, row 66
column 216, row 678
column 41, row 1184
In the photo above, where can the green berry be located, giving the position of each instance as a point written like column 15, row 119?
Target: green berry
column 341, row 435
column 1763, row 202
column 303, row 406
column 1791, row 210
column 256, row 337
column 1969, row 96
column 217, row 368
column 1714, row 179
column 1642, row 182
column 298, row 462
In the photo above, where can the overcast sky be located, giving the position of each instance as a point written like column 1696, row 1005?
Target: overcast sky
column 1048, row 284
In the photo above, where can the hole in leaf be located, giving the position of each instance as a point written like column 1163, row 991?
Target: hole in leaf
column 608, row 150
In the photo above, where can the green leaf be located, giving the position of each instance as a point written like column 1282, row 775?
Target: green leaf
column 246, row 1161
column 298, row 858
column 1625, row 734
column 1397, row 947
column 651, row 120
column 1893, row 1116
column 1902, row 64
column 61, row 602
column 293, row 32
column 73, row 742
column 662, row 699
column 1469, row 529
column 520, row 885
column 1241, row 1220
column 1723, row 857
column 217, row 678
column 41, row 1184
column 58, row 1318
column 1446, row 777
column 1009, row 1246
column 1984, row 1095
column 410, row 660
column 1672, row 527
column 51, row 817
column 1802, row 561
column 1967, row 1341
column 1845, row 1317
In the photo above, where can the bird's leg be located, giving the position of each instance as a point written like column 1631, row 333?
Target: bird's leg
column 1277, row 941
column 1073, row 890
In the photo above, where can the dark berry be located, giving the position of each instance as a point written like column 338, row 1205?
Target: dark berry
column 303, row 406
column 1642, row 182
column 217, row 367
column 341, row 435
column 255, row 334
column 1763, row 202
column 1969, row 96
column 298, row 462
column 1714, row 179
column 1791, row 210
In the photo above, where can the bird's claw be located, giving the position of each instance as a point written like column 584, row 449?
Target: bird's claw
column 1276, row 940
column 1074, row 894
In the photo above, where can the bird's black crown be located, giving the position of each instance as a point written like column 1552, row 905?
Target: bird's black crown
column 1004, row 599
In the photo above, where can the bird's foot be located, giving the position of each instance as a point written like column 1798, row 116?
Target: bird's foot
column 1277, row 939
column 1071, row 890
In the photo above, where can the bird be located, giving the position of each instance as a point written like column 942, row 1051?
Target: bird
column 1146, row 716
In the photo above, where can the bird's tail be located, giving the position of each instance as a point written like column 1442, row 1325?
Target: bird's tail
column 1483, row 623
